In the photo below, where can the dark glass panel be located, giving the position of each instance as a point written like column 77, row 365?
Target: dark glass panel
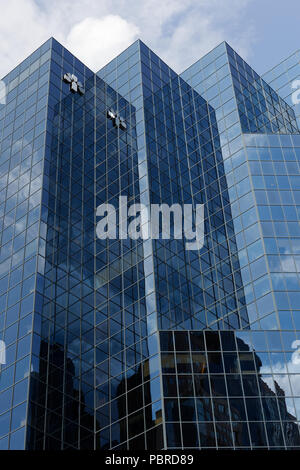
column 173, row 435
column 171, row 410
column 181, row 341
column 166, row 341
column 212, row 340
column 207, row 435
column 190, row 435
column 187, row 409
column 197, row 341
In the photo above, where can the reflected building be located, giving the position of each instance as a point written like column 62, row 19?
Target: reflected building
column 58, row 404
column 216, row 396
column 123, row 344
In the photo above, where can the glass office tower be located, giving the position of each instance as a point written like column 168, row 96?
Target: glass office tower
column 130, row 344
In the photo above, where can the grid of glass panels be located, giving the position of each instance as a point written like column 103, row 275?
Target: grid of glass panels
column 127, row 371
column 260, row 108
column 239, row 94
column 241, row 187
column 166, row 148
column 62, row 391
column 262, row 174
column 125, row 75
column 22, row 135
column 275, row 174
column 283, row 78
column 186, row 166
column 92, row 331
column 226, row 390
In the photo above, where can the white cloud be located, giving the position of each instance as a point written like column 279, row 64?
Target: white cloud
column 202, row 26
column 96, row 41
column 21, row 31
column 97, row 30
column 280, row 369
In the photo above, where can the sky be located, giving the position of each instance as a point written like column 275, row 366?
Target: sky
column 264, row 32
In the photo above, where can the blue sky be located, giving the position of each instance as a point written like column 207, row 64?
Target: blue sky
column 277, row 26
column 263, row 31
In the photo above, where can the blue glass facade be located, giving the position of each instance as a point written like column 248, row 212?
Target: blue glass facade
column 283, row 79
column 141, row 344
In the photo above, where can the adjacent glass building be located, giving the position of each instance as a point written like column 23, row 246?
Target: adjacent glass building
column 140, row 344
